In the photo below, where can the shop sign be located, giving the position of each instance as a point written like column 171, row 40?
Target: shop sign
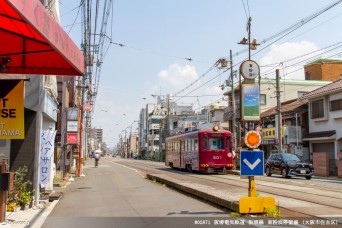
column 269, row 142
column 72, row 114
column 12, row 109
column 271, row 133
column 72, row 138
column 72, row 125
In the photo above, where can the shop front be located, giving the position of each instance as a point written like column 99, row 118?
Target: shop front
column 33, row 44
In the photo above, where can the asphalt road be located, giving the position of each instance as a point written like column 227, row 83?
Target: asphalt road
column 112, row 195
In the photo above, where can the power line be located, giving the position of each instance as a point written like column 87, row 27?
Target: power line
column 292, row 28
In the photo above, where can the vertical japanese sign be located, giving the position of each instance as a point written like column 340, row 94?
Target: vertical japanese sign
column 250, row 102
column 46, row 151
column 12, row 109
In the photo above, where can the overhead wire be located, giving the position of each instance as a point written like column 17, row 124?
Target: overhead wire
column 296, row 26
column 290, row 29
column 283, row 33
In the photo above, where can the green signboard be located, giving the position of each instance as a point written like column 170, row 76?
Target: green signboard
column 250, row 102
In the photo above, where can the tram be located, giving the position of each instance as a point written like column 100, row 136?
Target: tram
column 203, row 151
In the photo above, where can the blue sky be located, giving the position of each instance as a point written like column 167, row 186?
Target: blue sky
column 160, row 35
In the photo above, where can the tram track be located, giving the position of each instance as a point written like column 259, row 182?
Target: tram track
column 304, row 194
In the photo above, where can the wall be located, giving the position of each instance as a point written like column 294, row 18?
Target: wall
column 329, row 71
column 321, row 163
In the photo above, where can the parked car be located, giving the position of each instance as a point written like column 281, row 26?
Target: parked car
column 288, row 165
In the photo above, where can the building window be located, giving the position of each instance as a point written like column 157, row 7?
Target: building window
column 336, row 105
column 317, row 109
column 262, row 99
column 301, row 93
column 307, row 75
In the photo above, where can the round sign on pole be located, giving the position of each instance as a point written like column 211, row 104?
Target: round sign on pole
column 249, row 69
column 252, row 139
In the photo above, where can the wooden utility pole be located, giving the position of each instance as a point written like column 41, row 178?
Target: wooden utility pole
column 279, row 130
column 233, row 101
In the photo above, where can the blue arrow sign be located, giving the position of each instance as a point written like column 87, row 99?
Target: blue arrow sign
column 251, row 163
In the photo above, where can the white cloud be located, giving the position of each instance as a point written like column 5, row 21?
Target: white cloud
column 282, row 52
column 176, row 77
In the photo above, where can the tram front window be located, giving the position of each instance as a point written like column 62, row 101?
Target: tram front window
column 216, row 143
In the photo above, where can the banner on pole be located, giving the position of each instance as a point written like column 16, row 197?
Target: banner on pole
column 46, row 151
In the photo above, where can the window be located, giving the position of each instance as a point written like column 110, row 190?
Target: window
column 336, row 105
column 301, row 93
column 175, row 125
column 307, row 75
column 262, row 99
column 196, row 144
column 228, row 143
column 204, row 143
column 317, row 109
column 216, row 143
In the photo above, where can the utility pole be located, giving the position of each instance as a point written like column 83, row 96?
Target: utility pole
column 279, row 130
column 233, row 101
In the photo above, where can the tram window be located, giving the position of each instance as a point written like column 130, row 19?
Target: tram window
column 196, row 144
column 228, row 143
column 204, row 143
column 216, row 143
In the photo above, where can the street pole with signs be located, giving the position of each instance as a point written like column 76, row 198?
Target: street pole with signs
column 252, row 159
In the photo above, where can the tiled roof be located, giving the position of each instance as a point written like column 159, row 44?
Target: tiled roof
column 285, row 107
column 327, row 89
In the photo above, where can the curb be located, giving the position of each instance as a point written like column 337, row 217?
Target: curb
column 35, row 217
column 231, row 205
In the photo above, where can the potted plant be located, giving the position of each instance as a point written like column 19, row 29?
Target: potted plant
column 20, row 195
column 12, row 207
column 24, row 199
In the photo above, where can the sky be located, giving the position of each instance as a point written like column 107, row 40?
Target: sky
column 160, row 38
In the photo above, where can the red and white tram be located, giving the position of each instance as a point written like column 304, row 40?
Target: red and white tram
column 207, row 151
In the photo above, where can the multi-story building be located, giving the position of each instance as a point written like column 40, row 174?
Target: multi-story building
column 328, row 69
column 289, row 89
column 160, row 120
column 325, row 125
column 99, row 135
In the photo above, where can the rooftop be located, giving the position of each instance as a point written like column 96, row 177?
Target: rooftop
column 333, row 87
column 324, row 59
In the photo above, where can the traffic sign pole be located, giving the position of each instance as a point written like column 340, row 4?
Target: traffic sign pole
column 251, row 187
column 252, row 164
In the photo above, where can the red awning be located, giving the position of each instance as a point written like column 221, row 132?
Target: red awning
column 32, row 42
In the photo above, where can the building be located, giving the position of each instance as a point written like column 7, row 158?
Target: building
column 325, row 128
column 289, row 89
column 142, row 133
column 327, row 69
column 294, row 124
column 160, row 120
column 39, row 68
